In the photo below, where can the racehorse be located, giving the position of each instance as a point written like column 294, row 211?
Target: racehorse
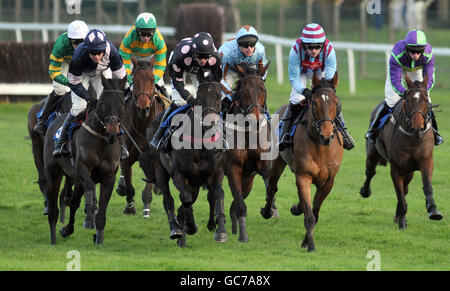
column 243, row 161
column 37, row 146
column 315, row 157
column 407, row 143
column 96, row 154
column 197, row 164
column 140, row 109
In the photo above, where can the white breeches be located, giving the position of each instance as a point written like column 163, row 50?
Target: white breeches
column 295, row 97
column 176, row 97
column 391, row 97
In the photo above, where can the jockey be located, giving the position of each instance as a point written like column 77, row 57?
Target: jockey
column 311, row 52
column 144, row 41
column 95, row 56
column 185, row 59
column 245, row 47
column 60, row 57
column 414, row 57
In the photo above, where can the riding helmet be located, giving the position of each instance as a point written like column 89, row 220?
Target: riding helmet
column 95, row 41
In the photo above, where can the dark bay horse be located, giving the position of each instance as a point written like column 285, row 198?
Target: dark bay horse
column 315, row 157
column 96, row 154
column 37, row 146
column 140, row 109
column 244, row 159
column 407, row 143
column 194, row 164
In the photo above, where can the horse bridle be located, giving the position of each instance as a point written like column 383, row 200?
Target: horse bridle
column 316, row 123
column 210, row 108
column 103, row 120
column 246, row 111
column 425, row 116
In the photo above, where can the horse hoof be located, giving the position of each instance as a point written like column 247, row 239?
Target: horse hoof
column 190, row 229
column 89, row 224
column 243, row 239
column 175, row 234
column 435, row 215
column 275, row 213
column 129, row 210
column 266, row 213
column 221, row 237
column 146, row 213
column 296, row 210
column 365, row 192
column 65, row 231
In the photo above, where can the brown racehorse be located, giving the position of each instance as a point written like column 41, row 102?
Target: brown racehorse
column 407, row 143
column 242, row 163
column 315, row 157
column 140, row 110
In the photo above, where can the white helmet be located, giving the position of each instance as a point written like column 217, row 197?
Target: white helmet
column 77, row 30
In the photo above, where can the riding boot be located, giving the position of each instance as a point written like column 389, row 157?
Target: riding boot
column 438, row 139
column 289, row 114
column 163, row 91
column 124, row 154
column 60, row 148
column 349, row 142
column 161, row 130
column 373, row 128
column 40, row 127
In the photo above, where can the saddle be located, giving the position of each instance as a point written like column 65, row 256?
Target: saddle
column 299, row 118
column 165, row 144
column 57, row 106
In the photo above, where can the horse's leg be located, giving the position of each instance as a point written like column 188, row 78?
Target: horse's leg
column 426, row 170
column 304, row 193
column 38, row 149
column 147, row 198
column 180, row 183
column 65, row 196
column 215, row 186
column 402, row 206
column 90, row 204
column 372, row 160
column 106, row 188
column 190, row 227
column 321, row 194
column 52, row 191
column 128, row 189
column 264, row 172
column 235, row 183
column 163, row 181
column 275, row 170
column 211, row 225
column 74, row 205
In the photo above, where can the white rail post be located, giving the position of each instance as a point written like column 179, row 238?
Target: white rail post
column 44, row 35
column 279, row 58
column 351, row 71
column 18, row 35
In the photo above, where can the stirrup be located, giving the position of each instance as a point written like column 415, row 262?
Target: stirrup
column 285, row 142
column 438, row 140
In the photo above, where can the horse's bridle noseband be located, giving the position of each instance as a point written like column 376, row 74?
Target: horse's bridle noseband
column 246, row 111
column 102, row 120
column 425, row 116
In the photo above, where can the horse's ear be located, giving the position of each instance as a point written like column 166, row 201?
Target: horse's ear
column 408, row 81
column 106, row 82
column 123, row 82
column 152, row 63
column 315, row 80
column 240, row 70
column 334, row 80
column 425, row 80
column 263, row 70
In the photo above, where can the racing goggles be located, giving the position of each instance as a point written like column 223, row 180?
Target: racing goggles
column 203, row 56
column 76, row 41
column 312, row 46
column 146, row 33
column 247, row 44
column 95, row 53
column 415, row 49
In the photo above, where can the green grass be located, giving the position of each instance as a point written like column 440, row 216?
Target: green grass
column 349, row 227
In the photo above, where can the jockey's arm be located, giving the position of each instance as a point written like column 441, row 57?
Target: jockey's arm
column 178, row 82
column 395, row 75
column 160, row 56
column 294, row 69
column 226, row 87
column 126, row 54
column 330, row 65
column 116, row 64
column 428, row 69
column 75, row 81
column 56, row 60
